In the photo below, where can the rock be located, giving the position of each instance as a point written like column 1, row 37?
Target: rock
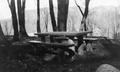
column 69, row 41
column 107, row 68
column 97, row 49
column 82, row 50
column 49, row 57
column 93, row 50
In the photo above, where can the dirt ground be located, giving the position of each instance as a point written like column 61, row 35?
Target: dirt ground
column 20, row 58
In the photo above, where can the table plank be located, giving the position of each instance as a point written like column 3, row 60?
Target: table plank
column 63, row 33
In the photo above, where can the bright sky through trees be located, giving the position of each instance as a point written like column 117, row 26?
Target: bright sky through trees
column 31, row 4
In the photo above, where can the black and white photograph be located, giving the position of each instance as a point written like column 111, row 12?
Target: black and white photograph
column 59, row 35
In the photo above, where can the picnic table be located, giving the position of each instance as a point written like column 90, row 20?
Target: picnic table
column 60, row 36
column 70, row 35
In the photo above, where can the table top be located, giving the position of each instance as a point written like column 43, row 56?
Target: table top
column 63, row 33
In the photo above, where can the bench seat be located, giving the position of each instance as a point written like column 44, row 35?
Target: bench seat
column 94, row 38
column 47, row 44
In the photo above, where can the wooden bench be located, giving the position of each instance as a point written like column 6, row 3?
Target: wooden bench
column 47, row 44
column 54, row 46
column 70, row 35
column 90, row 39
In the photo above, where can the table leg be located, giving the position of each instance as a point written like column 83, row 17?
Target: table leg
column 51, row 38
column 80, row 41
column 43, row 38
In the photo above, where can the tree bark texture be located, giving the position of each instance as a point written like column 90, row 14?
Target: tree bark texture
column 21, row 17
column 14, row 19
column 83, row 22
column 62, row 14
column 38, row 17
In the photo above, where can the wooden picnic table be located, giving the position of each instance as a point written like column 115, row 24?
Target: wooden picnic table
column 71, row 35
column 60, row 36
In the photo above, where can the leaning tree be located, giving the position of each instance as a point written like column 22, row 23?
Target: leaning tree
column 52, row 15
column 84, row 14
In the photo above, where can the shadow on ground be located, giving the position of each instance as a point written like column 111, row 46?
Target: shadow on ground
column 20, row 58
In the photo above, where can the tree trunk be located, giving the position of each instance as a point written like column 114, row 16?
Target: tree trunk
column 83, row 22
column 15, row 27
column 38, row 16
column 83, row 26
column 1, row 33
column 85, row 14
column 52, row 15
column 62, row 14
column 46, row 22
column 14, row 20
column 21, row 17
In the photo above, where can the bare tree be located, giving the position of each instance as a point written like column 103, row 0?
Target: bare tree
column 38, row 16
column 11, row 4
column 3, row 38
column 21, row 17
column 85, row 14
column 62, row 14
column 52, row 15
column 46, row 22
column 79, row 8
column 8, row 29
column 1, row 33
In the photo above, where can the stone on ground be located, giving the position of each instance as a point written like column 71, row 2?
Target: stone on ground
column 49, row 57
column 81, row 50
column 97, row 49
column 69, row 41
column 94, row 49
column 107, row 68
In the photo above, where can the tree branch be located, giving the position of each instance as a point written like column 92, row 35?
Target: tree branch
column 9, row 3
column 79, row 8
